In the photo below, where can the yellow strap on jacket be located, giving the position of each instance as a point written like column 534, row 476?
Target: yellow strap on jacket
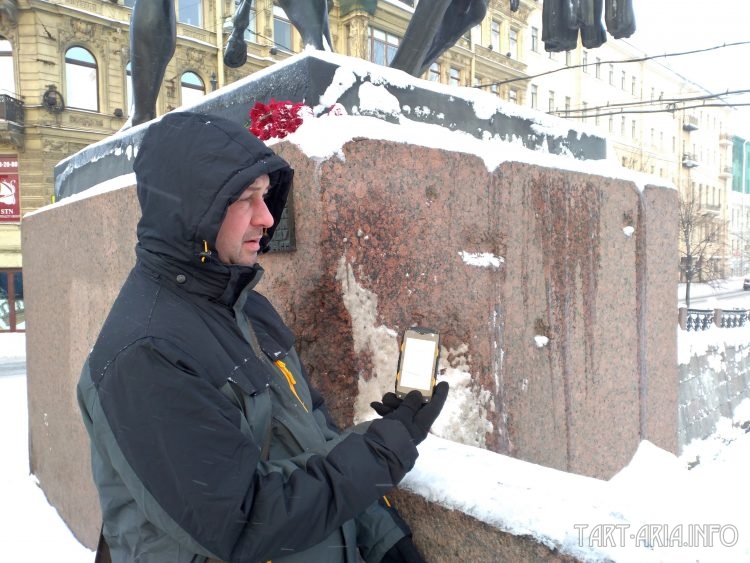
column 290, row 380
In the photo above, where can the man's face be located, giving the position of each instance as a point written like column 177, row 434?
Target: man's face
column 238, row 240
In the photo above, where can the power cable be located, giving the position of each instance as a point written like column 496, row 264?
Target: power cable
column 635, row 60
column 671, row 104
column 663, row 110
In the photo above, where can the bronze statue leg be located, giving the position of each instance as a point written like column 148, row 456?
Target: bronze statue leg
column 310, row 17
column 153, row 35
column 235, row 54
column 419, row 35
column 460, row 17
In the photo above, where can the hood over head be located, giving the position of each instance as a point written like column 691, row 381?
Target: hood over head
column 190, row 167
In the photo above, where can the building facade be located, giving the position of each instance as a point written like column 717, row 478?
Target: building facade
column 65, row 83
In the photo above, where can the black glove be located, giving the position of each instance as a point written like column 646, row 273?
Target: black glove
column 412, row 412
column 403, row 551
column 390, row 403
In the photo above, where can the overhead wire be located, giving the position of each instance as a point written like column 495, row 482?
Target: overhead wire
column 670, row 105
column 614, row 61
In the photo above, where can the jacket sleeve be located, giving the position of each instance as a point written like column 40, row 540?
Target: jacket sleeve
column 379, row 527
column 176, row 440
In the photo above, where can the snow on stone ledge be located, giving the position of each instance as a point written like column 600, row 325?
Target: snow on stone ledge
column 635, row 516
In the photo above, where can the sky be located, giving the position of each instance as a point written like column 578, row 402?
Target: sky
column 669, row 26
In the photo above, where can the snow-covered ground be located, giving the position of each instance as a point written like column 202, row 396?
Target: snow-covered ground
column 655, row 509
column 31, row 531
column 711, row 293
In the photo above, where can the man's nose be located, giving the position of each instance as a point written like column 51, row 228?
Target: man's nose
column 262, row 215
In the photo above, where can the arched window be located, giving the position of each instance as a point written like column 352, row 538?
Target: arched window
column 192, row 88
column 189, row 12
column 129, row 88
column 81, row 79
column 7, row 74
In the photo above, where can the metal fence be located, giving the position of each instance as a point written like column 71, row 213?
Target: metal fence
column 703, row 319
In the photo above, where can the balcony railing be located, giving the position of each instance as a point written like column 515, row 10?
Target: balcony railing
column 11, row 109
column 690, row 123
column 688, row 160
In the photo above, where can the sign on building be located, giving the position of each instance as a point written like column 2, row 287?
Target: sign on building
column 10, row 197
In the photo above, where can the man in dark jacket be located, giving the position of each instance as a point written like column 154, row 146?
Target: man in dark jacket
column 208, row 442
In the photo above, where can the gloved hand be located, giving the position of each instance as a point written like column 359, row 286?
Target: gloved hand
column 412, row 412
column 390, row 403
column 403, row 551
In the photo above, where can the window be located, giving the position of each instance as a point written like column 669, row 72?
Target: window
column 513, row 95
column 622, row 126
column 622, row 80
column 633, row 86
column 192, row 88
column 612, row 74
column 632, row 129
column 513, row 43
column 535, row 39
column 189, row 12
column 596, row 117
column 585, row 61
column 495, row 35
column 567, row 58
column 129, row 88
column 567, row 105
column 12, row 312
column 534, row 96
column 81, row 79
column 7, row 75
column 282, row 29
column 584, row 108
column 383, row 46
column 611, row 124
column 434, row 72
column 551, row 106
column 598, row 68
column 454, row 77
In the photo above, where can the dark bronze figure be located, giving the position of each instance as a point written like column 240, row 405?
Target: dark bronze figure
column 433, row 29
column 309, row 17
column 153, row 35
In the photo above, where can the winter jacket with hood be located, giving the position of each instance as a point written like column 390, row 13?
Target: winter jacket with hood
column 207, row 440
